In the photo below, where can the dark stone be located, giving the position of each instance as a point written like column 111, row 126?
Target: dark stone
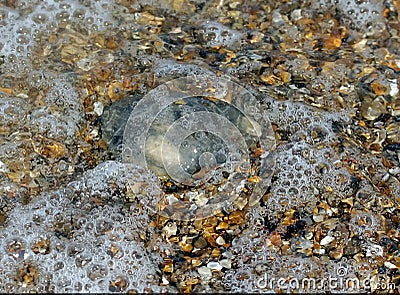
column 113, row 122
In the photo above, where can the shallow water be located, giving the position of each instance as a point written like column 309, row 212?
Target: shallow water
column 292, row 174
